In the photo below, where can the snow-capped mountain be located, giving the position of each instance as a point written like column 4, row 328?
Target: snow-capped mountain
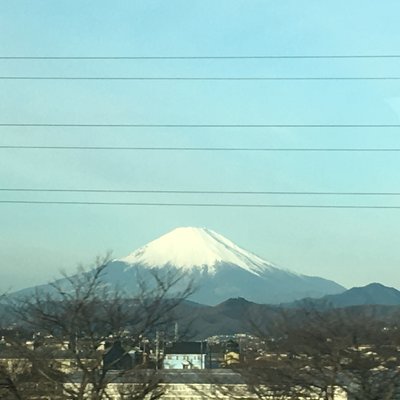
column 219, row 268
column 191, row 249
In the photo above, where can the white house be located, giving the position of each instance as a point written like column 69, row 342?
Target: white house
column 185, row 355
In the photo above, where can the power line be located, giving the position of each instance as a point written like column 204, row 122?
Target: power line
column 223, row 192
column 201, row 126
column 209, row 57
column 226, row 205
column 200, row 149
column 177, row 78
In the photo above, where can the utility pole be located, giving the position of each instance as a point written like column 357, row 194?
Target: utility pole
column 176, row 332
column 157, row 348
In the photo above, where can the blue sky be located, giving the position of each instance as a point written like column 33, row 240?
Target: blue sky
column 353, row 247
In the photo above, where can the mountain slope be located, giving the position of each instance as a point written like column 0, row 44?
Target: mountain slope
column 372, row 294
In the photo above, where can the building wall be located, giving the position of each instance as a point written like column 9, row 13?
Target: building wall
column 184, row 361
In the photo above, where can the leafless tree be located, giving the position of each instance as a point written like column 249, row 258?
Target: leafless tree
column 74, row 321
column 316, row 353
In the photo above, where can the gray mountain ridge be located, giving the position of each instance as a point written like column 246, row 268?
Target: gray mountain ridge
column 371, row 294
column 237, row 315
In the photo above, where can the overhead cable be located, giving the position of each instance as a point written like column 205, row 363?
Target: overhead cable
column 205, row 149
column 219, row 192
column 217, row 126
column 209, row 57
column 200, row 78
column 224, row 205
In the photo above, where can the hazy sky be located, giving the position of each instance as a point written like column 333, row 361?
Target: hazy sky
column 353, row 247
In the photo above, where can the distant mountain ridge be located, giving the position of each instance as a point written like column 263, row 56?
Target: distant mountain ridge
column 372, row 294
column 238, row 315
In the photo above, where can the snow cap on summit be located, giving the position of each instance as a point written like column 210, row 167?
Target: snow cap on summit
column 188, row 248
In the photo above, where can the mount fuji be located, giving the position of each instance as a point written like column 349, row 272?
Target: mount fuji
column 219, row 269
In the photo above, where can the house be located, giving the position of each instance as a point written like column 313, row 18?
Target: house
column 232, row 353
column 185, row 355
column 116, row 358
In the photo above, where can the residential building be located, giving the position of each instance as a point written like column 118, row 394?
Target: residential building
column 185, row 355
